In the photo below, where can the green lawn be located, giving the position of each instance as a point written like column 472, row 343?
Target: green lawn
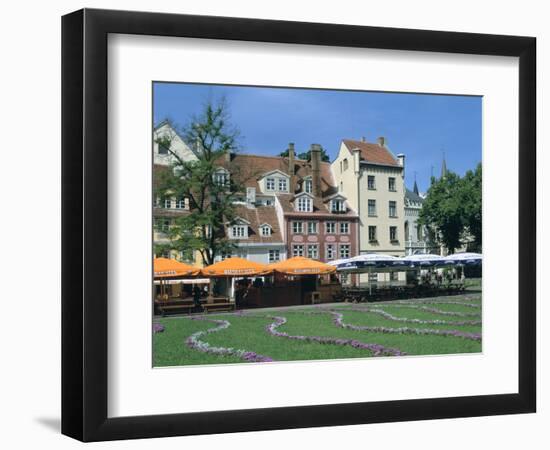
column 248, row 332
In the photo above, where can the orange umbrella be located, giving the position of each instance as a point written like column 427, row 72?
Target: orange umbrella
column 302, row 266
column 235, row 267
column 170, row 268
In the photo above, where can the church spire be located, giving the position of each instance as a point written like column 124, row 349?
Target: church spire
column 443, row 167
column 415, row 188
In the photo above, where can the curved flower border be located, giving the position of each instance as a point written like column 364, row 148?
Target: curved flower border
column 194, row 342
column 389, row 316
column 338, row 320
column 376, row 349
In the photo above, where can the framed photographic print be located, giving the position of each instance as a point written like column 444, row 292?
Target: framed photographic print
column 273, row 224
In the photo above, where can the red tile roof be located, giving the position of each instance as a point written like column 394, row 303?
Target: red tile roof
column 258, row 216
column 372, row 153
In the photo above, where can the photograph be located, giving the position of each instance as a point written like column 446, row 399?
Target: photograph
column 294, row 224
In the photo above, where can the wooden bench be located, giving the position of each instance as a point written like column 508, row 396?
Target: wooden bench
column 167, row 306
column 223, row 306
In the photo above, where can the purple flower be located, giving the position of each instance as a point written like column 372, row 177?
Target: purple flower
column 158, row 327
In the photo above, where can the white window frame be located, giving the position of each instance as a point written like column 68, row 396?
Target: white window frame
column 221, row 177
column 313, row 254
column 304, row 204
column 167, row 203
column 239, row 231
column 274, row 255
column 393, row 228
column 337, row 205
column 308, row 186
column 295, row 227
column 313, row 225
column 330, row 254
column 375, row 238
column 344, row 225
column 333, row 226
column 283, row 184
column 295, row 250
column 270, row 184
column 347, row 254
column 265, row 230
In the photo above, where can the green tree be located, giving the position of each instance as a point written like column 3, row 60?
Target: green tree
column 452, row 208
column 306, row 156
column 472, row 203
column 210, row 184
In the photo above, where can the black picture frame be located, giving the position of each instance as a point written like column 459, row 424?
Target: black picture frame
column 84, row 224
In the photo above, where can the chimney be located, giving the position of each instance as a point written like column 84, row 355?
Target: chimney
column 401, row 162
column 363, row 139
column 291, row 169
column 356, row 160
column 382, row 141
column 250, row 197
column 316, row 169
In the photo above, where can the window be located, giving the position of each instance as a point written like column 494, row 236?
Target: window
column 372, row 233
column 337, row 206
column 344, row 227
column 313, row 251
column 370, row 183
column 165, row 254
column 274, row 256
column 282, row 184
column 270, row 184
column 344, row 251
column 239, row 231
column 163, row 150
column 419, row 232
column 167, row 202
column 163, row 225
column 298, row 250
column 340, row 166
column 372, row 208
column 331, row 248
column 180, row 203
column 393, row 234
column 221, row 178
column 297, row 227
column 391, row 184
column 346, row 164
column 308, row 186
column 330, row 227
column 393, row 208
column 394, row 276
column 265, row 230
column 312, row 227
column 304, row 204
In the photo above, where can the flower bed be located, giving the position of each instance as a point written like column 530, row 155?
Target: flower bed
column 389, row 316
column 194, row 341
column 376, row 349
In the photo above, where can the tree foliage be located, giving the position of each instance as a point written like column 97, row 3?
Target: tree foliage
column 306, row 156
column 452, row 208
column 210, row 198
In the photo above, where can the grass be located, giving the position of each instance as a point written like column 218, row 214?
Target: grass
column 249, row 333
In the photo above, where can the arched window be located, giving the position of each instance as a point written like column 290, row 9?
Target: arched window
column 346, row 164
column 406, row 230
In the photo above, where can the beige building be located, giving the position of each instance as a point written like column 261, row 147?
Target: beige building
column 371, row 178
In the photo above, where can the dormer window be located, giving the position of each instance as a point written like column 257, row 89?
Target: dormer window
column 337, row 205
column 283, row 185
column 266, row 230
column 308, row 186
column 221, row 177
column 304, row 204
column 270, row 184
column 239, row 231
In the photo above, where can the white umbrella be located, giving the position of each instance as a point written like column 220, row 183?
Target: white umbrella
column 466, row 258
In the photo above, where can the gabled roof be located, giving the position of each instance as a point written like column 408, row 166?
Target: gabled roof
column 272, row 172
column 372, row 153
column 253, row 167
column 410, row 195
column 257, row 217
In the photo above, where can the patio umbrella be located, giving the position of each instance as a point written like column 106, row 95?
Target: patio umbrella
column 368, row 260
column 170, row 268
column 235, row 267
column 466, row 258
column 302, row 266
column 424, row 260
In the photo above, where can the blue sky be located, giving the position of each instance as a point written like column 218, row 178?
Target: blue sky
column 419, row 125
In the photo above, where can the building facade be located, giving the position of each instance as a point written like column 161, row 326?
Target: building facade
column 371, row 178
column 417, row 236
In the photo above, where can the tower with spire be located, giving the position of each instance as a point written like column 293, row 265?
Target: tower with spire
column 443, row 167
